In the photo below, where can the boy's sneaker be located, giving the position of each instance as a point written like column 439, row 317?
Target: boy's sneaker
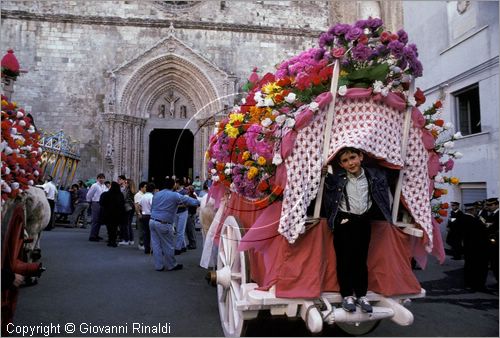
column 349, row 304
column 364, row 304
column 131, row 243
column 123, row 243
column 141, row 247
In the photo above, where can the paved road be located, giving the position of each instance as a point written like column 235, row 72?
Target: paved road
column 88, row 283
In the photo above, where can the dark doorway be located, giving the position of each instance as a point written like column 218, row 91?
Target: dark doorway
column 170, row 153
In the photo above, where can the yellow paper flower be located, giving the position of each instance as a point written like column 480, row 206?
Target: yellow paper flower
column 246, row 155
column 249, row 163
column 231, row 131
column 236, row 117
column 252, row 172
column 454, row 180
column 271, row 88
column 261, row 160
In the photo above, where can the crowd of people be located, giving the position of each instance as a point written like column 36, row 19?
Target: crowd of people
column 473, row 237
column 165, row 214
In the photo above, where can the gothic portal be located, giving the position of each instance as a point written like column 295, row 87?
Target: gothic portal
column 163, row 95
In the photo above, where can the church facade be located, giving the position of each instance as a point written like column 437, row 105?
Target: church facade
column 139, row 85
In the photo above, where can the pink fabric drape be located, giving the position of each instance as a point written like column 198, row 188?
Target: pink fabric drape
column 307, row 267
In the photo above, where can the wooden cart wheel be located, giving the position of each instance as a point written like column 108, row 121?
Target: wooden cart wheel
column 231, row 274
column 360, row 329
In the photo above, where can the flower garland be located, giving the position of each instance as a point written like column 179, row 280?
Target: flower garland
column 253, row 140
column 21, row 154
column 438, row 138
column 372, row 57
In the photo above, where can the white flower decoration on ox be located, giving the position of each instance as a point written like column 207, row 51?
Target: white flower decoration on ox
column 36, row 173
column 314, row 106
column 22, row 123
column 30, row 182
column 7, row 170
column 385, row 92
column 290, row 98
column 215, row 178
column 22, row 171
column 227, row 172
column 458, row 155
column 19, row 115
column 275, row 112
column 213, row 171
column 3, row 145
column 14, row 185
column 8, row 150
column 438, row 178
column 449, row 144
column 457, row 135
column 411, row 101
column 243, row 101
column 6, row 188
column 277, row 160
column 266, row 122
column 342, row 90
column 13, row 131
column 395, row 69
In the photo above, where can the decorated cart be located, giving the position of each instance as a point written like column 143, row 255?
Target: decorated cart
column 25, row 210
column 270, row 248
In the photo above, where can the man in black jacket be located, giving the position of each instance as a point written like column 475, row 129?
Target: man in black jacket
column 455, row 227
column 353, row 196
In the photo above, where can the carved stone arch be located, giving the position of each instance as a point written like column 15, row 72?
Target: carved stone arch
column 159, row 73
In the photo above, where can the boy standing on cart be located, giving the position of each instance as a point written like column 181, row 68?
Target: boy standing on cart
column 353, row 196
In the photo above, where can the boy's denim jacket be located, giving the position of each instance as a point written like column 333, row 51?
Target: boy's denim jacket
column 334, row 189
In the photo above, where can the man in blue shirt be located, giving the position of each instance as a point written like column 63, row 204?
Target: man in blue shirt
column 163, row 211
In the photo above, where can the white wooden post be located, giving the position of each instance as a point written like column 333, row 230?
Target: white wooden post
column 328, row 133
column 404, row 146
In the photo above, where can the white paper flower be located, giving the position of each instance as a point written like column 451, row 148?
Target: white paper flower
column 277, row 160
column 268, row 102
column 314, row 106
column 342, row 90
column 290, row 98
column 290, row 122
column 36, row 173
column 385, row 92
column 227, row 172
column 213, row 171
column 20, row 115
column 8, row 150
column 7, row 170
column 448, row 125
column 22, row 123
column 14, row 185
column 458, row 155
column 280, row 119
column 243, row 100
column 266, row 122
column 449, row 144
column 377, row 86
column 412, row 102
column 215, row 178
column 457, row 135
column 439, row 179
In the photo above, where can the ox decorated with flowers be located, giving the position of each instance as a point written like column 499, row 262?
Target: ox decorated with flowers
column 25, row 209
column 356, row 89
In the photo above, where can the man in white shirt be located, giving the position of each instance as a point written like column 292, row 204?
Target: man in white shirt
column 51, row 192
column 138, row 215
column 93, row 196
column 145, row 206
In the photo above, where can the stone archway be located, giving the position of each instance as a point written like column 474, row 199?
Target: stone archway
column 170, row 86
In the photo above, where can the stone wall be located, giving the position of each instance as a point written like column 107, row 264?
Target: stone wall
column 69, row 47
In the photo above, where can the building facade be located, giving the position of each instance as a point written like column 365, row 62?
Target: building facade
column 458, row 46
column 140, row 83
